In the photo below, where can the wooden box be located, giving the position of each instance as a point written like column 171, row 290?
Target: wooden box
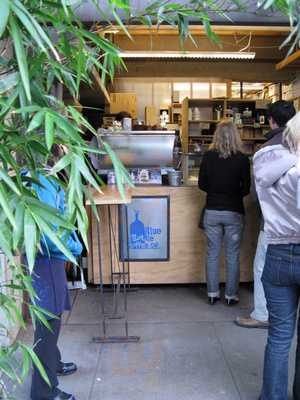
column 123, row 102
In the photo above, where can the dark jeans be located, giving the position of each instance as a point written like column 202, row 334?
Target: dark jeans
column 281, row 281
column 48, row 353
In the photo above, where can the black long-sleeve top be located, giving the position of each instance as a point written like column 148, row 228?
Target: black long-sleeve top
column 225, row 180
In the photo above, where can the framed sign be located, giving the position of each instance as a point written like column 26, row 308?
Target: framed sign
column 148, row 229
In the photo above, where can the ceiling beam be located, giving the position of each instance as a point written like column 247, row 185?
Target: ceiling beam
column 236, row 71
column 199, row 30
column 288, row 60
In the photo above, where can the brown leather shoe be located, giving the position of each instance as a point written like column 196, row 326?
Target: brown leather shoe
column 251, row 323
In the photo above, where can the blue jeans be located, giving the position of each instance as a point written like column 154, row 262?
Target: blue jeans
column 281, row 281
column 222, row 226
column 260, row 311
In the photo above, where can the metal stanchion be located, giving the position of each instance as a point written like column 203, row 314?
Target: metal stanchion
column 121, row 276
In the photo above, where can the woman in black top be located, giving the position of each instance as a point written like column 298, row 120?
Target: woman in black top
column 225, row 177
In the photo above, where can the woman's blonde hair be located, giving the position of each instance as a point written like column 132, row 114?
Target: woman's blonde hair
column 226, row 139
column 291, row 134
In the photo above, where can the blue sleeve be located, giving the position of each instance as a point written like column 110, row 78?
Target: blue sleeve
column 52, row 194
column 73, row 243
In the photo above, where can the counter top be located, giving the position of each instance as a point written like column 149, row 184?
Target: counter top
column 126, row 133
column 110, row 195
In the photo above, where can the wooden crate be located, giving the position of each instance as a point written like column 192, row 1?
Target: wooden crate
column 123, row 102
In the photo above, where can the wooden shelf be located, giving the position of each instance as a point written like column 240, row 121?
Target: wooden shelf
column 261, row 139
column 242, row 100
column 198, row 121
column 248, row 130
column 253, row 126
column 201, row 137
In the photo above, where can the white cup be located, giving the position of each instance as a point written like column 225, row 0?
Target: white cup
column 127, row 124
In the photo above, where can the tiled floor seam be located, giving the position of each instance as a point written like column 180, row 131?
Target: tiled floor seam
column 72, row 307
column 227, row 363
column 95, row 373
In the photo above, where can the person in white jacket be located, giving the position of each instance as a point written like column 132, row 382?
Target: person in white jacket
column 277, row 179
column 279, row 114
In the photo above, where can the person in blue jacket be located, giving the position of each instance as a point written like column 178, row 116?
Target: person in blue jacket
column 50, row 284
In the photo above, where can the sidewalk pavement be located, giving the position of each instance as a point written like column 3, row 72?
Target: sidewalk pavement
column 189, row 350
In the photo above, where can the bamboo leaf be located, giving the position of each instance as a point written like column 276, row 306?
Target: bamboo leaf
column 30, row 238
column 27, row 109
column 210, row 33
column 62, row 164
column 15, row 311
column 19, row 229
column 8, row 104
column 82, row 227
column 49, row 130
column 4, row 203
column 28, row 284
column 44, row 312
column 48, row 231
column 20, row 54
column 120, row 23
column 80, row 163
column 36, row 121
column 27, row 23
column 41, row 318
column 25, row 364
column 8, row 180
column 52, row 216
column 67, row 128
column 104, row 44
column 7, row 369
column 39, row 30
column 8, row 81
column 5, row 246
column 4, row 14
column 37, row 363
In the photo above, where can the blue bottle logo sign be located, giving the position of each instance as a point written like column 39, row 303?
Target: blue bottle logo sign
column 143, row 237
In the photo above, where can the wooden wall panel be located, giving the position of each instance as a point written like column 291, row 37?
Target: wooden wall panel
column 123, row 102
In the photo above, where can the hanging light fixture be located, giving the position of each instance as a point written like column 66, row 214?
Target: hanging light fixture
column 216, row 55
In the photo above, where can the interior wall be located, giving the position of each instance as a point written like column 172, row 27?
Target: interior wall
column 248, row 71
column 159, row 92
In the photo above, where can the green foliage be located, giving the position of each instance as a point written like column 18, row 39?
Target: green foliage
column 43, row 44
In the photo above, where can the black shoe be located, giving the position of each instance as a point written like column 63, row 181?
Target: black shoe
column 64, row 396
column 232, row 302
column 66, row 369
column 213, row 300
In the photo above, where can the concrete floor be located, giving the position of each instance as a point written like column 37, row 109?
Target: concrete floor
column 189, row 350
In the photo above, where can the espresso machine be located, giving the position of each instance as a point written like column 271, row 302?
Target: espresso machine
column 147, row 155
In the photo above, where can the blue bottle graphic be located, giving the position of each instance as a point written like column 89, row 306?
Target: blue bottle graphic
column 137, row 231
